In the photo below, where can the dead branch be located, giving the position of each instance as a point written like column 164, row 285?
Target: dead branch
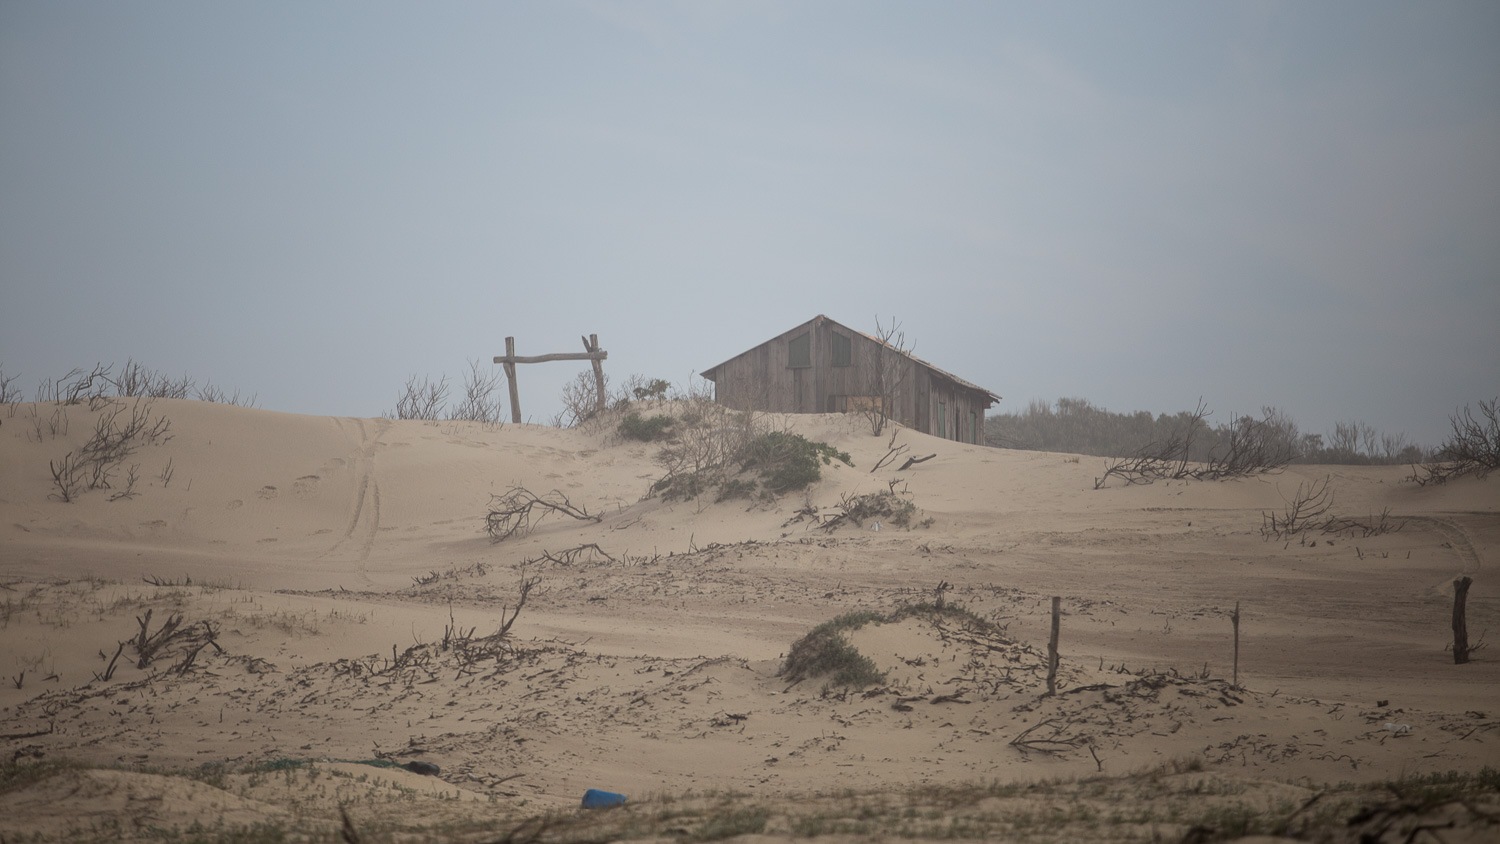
column 892, row 452
column 567, row 557
column 29, row 734
column 109, row 671
column 1053, row 742
column 522, row 593
column 210, row 637
column 518, row 510
column 148, row 644
column 912, row 461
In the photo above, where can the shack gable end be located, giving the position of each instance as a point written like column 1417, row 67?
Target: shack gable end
column 822, row 366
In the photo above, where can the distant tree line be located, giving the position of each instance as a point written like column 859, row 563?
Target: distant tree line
column 1076, row 426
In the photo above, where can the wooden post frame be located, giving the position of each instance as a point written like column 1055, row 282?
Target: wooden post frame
column 591, row 352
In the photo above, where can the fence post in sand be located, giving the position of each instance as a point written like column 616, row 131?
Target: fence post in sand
column 510, row 380
column 1235, row 620
column 1052, row 647
column 1460, row 626
column 591, row 345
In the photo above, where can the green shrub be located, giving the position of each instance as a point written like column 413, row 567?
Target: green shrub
column 787, row 462
column 681, row 487
column 637, row 427
column 655, row 389
column 735, row 488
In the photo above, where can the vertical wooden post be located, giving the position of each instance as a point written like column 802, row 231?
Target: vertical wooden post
column 510, row 379
column 592, row 345
column 1235, row 620
column 1460, row 626
column 1052, row 646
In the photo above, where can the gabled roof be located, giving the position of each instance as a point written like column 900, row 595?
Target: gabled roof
column 708, row 373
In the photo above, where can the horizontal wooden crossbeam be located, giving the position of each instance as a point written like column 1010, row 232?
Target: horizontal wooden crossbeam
column 601, row 355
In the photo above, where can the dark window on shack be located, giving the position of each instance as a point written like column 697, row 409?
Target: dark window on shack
column 799, row 352
column 843, row 350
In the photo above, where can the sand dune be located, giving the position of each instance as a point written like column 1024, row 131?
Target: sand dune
column 339, row 562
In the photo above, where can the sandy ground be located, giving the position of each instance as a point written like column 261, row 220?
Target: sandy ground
column 343, row 573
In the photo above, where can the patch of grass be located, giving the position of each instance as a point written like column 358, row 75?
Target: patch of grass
column 1440, row 787
column 825, row 652
column 636, row 427
column 731, row 822
column 956, row 613
column 18, row 774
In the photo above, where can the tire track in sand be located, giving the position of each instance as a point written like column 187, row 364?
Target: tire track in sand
column 1458, row 539
column 364, row 522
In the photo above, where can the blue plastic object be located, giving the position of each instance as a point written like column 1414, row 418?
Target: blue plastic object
column 596, row 799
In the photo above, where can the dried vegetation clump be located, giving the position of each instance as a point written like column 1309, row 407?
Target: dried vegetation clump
column 730, row 454
column 1246, row 447
column 1473, row 448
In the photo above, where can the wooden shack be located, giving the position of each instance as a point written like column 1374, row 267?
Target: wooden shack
column 823, row 366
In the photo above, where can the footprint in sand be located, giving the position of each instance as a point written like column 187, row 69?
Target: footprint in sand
column 306, row 486
column 267, row 492
column 234, row 505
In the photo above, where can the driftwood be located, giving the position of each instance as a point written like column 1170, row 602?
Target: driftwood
column 567, row 557
column 912, row 461
column 1053, row 742
column 518, row 510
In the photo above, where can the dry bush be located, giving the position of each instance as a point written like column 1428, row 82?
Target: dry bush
column 215, row 395
column 117, row 435
column 885, row 507
column 1310, row 508
column 1304, row 510
column 422, row 399
column 518, row 510
column 1473, row 448
column 481, row 401
column 76, row 386
column 136, row 380
column 580, row 400
column 1248, row 446
column 707, row 443
column 9, row 394
column 885, row 377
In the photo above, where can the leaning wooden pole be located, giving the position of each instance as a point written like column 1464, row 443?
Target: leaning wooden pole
column 1460, row 625
column 591, row 345
column 1235, row 620
column 1052, row 646
column 510, row 380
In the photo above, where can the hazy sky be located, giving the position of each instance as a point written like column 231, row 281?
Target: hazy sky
column 1295, row 204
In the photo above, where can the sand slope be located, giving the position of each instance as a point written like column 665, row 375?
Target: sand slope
column 342, row 563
